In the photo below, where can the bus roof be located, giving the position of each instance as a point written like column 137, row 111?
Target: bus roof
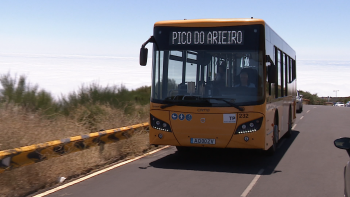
column 210, row 22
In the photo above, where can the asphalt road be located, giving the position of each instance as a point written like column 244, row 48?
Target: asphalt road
column 307, row 164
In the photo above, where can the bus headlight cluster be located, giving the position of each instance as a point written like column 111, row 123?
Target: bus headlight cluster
column 249, row 127
column 159, row 124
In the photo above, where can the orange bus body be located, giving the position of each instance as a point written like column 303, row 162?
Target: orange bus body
column 199, row 122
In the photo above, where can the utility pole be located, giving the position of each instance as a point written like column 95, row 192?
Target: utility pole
column 335, row 92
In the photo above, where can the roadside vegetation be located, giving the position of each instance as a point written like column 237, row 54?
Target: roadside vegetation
column 30, row 115
column 89, row 109
column 314, row 99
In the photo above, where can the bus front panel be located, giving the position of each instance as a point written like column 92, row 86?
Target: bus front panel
column 215, row 68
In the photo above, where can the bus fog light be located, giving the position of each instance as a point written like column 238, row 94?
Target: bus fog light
column 160, row 136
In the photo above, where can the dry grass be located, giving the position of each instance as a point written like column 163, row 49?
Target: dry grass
column 20, row 128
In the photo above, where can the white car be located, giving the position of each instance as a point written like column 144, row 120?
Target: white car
column 339, row 104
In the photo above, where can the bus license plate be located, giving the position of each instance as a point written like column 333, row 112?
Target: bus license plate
column 202, row 141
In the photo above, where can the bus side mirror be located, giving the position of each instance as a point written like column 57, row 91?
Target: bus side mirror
column 144, row 51
column 143, row 56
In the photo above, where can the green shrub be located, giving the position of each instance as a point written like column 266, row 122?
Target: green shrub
column 87, row 100
column 314, row 99
column 18, row 91
column 113, row 96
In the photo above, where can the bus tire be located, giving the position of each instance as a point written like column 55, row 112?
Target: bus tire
column 271, row 151
column 290, row 123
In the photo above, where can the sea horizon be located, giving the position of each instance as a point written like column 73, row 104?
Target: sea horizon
column 63, row 74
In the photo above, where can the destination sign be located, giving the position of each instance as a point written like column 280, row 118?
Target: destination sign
column 206, row 38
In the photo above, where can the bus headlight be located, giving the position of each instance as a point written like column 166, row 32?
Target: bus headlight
column 254, row 126
column 159, row 124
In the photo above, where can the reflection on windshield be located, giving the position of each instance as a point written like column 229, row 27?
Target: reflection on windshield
column 181, row 77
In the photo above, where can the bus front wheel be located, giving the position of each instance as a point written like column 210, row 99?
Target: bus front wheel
column 271, row 151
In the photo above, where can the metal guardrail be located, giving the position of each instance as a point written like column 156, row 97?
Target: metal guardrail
column 27, row 155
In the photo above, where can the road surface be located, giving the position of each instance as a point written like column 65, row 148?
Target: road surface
column 306, row 164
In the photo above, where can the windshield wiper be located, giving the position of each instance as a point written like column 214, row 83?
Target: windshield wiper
column 230, row 103
column 185, row 103
column 167, row 105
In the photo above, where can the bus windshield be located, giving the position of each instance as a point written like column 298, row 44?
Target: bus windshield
column 214, row 75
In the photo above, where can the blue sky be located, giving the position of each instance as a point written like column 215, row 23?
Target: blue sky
column 317, row 30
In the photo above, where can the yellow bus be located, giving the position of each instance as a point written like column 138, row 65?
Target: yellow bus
column 223, row 83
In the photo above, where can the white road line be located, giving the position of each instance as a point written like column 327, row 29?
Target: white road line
column 251, row 185
column 97, row 173
column 294, row 126
column 301, row 117
column 308, row 111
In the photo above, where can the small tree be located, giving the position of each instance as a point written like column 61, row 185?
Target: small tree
column 314, row 99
